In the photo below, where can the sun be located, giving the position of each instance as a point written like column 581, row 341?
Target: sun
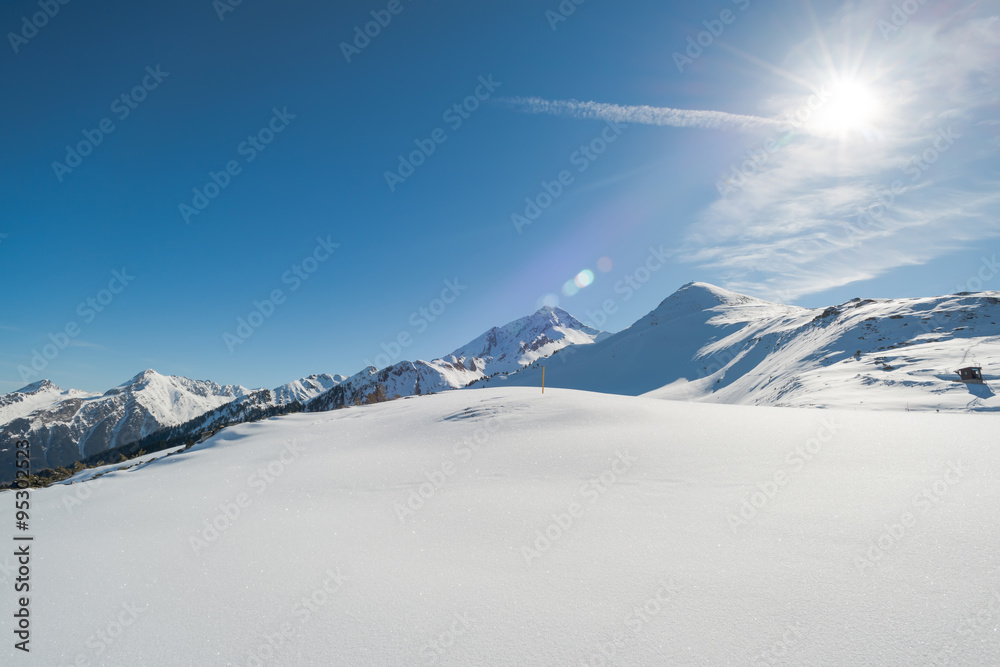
column 849, row 106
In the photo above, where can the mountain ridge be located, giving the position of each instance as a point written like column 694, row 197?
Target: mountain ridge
column 708, row 344
column 700, row 343
column 153, row 408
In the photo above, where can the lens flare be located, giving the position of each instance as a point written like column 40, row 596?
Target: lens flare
column 550, row 300
column 570, row 288
column 604, row 264
column 584, row 278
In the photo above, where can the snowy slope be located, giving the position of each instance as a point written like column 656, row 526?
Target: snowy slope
column 544, row 530
column 707, row 343
column 36, row 396
column 75, row 428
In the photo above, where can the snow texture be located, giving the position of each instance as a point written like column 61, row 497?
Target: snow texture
column 706, row 343
column 504, row 526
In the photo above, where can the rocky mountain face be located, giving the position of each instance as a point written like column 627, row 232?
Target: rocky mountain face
column 35, row 396
column 76, row 427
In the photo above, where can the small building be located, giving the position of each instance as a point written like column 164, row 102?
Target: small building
column 971, row 375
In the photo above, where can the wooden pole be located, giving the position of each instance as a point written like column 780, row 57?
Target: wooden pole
column 543, row 379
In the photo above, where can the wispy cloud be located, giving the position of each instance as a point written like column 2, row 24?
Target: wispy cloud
column 825, row 208
column 644, row 115
column 824, row 212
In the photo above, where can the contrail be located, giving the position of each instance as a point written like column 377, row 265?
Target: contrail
column 645, row 115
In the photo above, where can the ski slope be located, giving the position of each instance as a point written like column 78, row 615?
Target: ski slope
column 504, row 526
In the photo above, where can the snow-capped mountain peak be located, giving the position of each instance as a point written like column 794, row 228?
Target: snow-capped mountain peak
column 35, row 387
column 65, row 427
column 136, row 383
column 501, row 350
column 521, row 342
column 35, row 396
column 307, row 388
column 711, row 344
column 696, row 297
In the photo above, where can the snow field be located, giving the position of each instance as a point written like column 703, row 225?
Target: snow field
column 569, row 528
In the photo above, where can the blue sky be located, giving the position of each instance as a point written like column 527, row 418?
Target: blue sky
column 659, row 141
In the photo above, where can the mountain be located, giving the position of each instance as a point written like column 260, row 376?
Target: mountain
column 706, row 343
column 505, row 349
column 151, row 411
column 74, row 428
column 702, row 343
column 520, row 343
column 305, row 389
column 35, row 396
column 250, row 407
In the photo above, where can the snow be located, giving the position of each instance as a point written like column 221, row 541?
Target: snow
column 72, row 427
column 39, row 395
column 135, row 463
column 306, row 389
column 519, row 343
column 706, row 343
column 316, row 565
column 173, row 400
column 500, row 350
